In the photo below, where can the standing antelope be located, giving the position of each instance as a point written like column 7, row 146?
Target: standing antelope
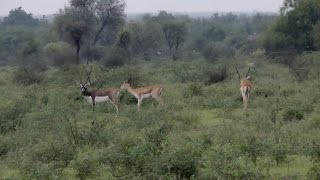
column 100, row 95
column 143, row 92
column 245, row 88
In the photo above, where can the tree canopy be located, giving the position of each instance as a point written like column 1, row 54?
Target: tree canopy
column 19, row 17
column 295, row 26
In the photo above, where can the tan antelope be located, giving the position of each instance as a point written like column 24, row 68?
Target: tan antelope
column 245, row 88
column 99, row 95
column 143, row 92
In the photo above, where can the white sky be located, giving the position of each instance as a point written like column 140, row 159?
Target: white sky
column 38, row 7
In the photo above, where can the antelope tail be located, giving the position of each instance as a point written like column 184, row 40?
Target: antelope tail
column 247, row 92
column 246, row 96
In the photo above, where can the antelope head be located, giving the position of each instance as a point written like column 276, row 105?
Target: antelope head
column 126, row 84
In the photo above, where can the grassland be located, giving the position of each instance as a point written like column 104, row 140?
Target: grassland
column 201, row 131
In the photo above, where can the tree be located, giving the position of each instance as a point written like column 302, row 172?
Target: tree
column 297, row 21
column 31, row 66
column 110, row 13
column 84, row 21
column 215, row 34
column 174, row 32
column 145, row 36
column 124, row 40
column 19, row 17
column 73, row 24
column 12, row 40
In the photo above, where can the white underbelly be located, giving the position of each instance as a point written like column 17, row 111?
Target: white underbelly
column 144, row 96
column 98, row 99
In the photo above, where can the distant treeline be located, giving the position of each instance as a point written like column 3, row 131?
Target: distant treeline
column 82, row 33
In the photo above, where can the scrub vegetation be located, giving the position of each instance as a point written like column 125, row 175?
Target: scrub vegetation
column 200, row 131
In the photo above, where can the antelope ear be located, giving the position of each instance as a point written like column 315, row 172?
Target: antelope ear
column 248, row 77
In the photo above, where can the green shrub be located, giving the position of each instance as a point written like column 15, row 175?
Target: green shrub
column 11, row 116
column 279, row 153
column 28, row 76
column 193, row 89
column 253, row 148
column 4, row 146
column 213, row 52
column 314, row 172
column 53, row 151
column 115, row 57
column 31, row 66
column 293, row 114
column 301, row 67
column 59, row 53
column 180, row 160
column 227, row 162
column 217, row 75
column 191, row 72
column 132, row 154
column 263, row 92
column 187, row 117
column 156, row 137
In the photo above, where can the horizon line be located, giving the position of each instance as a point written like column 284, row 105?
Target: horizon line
column 180, row 12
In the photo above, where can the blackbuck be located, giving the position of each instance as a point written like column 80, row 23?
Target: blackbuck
column 143, row 92
column 99, row 95
column 245, row 88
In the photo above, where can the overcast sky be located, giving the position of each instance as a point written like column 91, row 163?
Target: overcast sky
column 135, row 6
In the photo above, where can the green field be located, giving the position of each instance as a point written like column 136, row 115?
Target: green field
column 49, row 131
column 202, row 130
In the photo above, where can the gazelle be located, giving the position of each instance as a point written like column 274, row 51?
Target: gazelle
column 143, row 92
column 245, row 88
column 99, row 95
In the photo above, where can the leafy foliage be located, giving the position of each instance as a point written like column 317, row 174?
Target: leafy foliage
column 59, row 53
column 19, row 17
column 294, row 27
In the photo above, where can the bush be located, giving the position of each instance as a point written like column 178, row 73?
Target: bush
column 292, row 114
column 193, row 89
column 4, row 146
column 85, row 164
column 301, row 69
column 12, row 115
column 115, row 57
column 31, row 66
column 59, row 53
column 227, row 162
column 47, row 152
column 156, row 136
column 28, row 76
column 216, row 75
column 263, row 92
column 213, row 52
column 314, row 172
column 182, row 161
column 191, row 72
